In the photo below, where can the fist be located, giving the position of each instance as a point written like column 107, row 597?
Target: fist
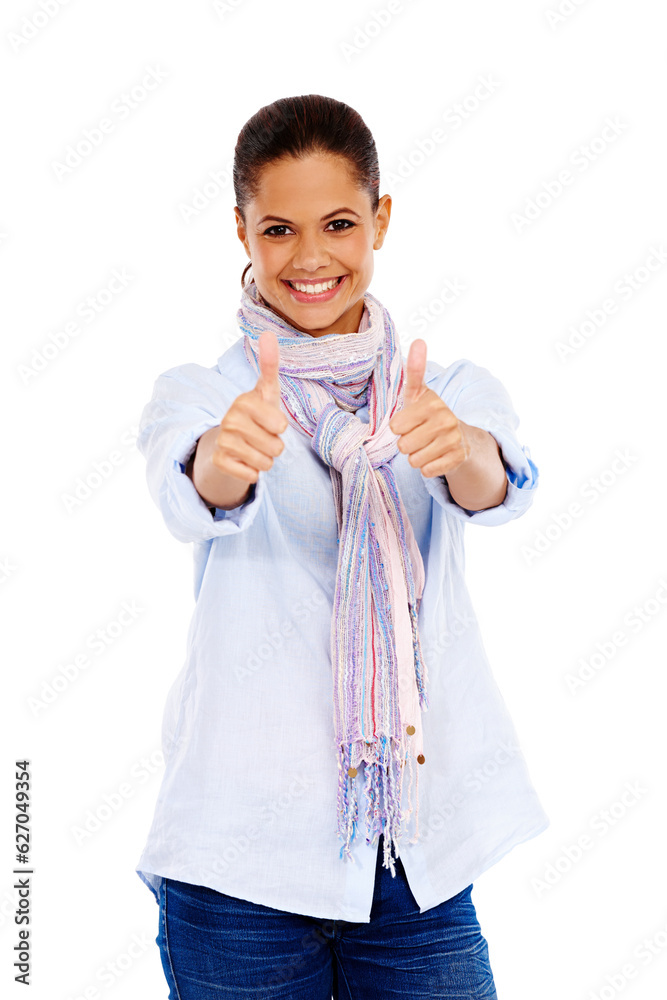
column 248, row 438
column 430, row 435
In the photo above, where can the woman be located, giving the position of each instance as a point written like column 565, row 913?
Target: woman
column 340, row 764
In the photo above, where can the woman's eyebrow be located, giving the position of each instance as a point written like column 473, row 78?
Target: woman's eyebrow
column 337, row 211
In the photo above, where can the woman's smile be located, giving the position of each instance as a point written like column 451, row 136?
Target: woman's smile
column 314, row 291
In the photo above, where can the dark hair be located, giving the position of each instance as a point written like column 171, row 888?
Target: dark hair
column 299, row 126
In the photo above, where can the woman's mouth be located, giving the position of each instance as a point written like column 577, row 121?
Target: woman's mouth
column 315, row 291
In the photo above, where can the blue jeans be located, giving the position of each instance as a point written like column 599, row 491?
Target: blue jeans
column 216, row 946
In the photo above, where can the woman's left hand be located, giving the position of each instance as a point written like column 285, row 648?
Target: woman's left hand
column 432, row 437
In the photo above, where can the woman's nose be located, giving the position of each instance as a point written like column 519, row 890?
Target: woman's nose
column 311, row 254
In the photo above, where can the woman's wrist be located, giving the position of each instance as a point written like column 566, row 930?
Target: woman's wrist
column 480, row 481
column 216, row 488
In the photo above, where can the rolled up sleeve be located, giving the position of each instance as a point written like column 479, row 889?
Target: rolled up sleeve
column 186, row 402
column 478, row 398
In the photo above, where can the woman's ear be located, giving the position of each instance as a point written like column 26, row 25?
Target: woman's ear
column 382, row 220
column 241, row 230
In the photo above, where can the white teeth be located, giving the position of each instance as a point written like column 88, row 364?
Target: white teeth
column 314, row 289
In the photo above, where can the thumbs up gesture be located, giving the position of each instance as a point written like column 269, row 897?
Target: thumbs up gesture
column 429, row 434
column 248, row 437
column 229, row 458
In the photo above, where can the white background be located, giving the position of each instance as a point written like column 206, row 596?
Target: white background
column 556, row 927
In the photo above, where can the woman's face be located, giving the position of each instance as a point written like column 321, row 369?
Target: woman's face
column 310, row 223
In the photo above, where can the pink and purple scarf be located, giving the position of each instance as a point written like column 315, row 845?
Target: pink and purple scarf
column 379, row 674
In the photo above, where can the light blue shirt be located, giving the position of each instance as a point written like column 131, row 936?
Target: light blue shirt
column 248, row 797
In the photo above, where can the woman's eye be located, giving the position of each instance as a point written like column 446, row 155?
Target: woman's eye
column 282, row 230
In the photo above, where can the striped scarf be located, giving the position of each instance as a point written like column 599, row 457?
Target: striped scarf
column 379, row 675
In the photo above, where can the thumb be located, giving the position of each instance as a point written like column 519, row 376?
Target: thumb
column 267, row 384
column 415, row 371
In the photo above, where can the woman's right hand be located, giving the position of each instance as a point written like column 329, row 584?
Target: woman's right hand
column 229, row 458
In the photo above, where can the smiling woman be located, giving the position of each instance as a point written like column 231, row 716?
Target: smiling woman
column 311, row 260
column 325, row 481
column 314, row 268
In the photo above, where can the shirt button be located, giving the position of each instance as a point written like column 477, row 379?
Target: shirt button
column 421, row 758
column 352, row 771
column 410, row 730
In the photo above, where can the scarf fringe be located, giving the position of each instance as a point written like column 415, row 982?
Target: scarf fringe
column 421, row 671
column 383, row 780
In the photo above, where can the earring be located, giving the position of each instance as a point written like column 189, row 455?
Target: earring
column 249, row 264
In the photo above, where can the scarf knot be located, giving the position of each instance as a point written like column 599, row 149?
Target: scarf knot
column 340, row 436
column 336, row 438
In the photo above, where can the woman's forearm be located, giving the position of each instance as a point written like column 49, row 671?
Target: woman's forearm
column 481, row 481
column 216, row 488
